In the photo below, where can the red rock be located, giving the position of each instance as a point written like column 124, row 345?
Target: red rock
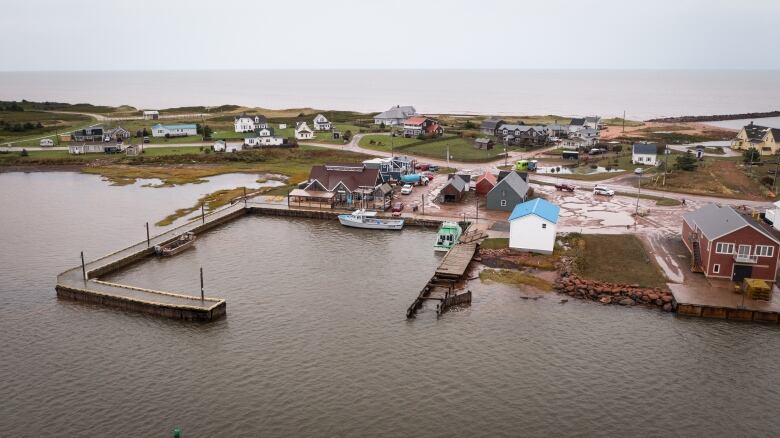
column 652, row 296
column 626, row 302
column 667, row 298
column 667, row 307
column 659, row 302
column 605, row 300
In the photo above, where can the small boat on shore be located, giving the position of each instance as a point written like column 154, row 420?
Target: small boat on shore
column 367, row 219
column 447, row 236
column 184, row 241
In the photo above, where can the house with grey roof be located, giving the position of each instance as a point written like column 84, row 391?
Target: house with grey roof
column 511, row 190
column 644, row 153
column 395, row 115
column 725, row 243
column 765, row 139
column 454, row 190
column 491, row 126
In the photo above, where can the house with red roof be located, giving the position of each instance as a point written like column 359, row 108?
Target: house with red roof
column 416, row 125
column 485, row 183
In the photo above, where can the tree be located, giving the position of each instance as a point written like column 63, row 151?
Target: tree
column 751, row 155
column 139, row 133
column 382, row 126
column 207, row 131
column 686, row 161
column 347, row 135
column 146, row 133
column 469, row 125
column 617, row 148
column 24, row 153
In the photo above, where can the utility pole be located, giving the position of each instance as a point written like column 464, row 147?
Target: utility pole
column 448, row 156
column 777, row 167
column 203, row 213
column 476, row 202
column 506, row 156
column 639, row 192
column 148, row 240
column 666, row 163
column 624, row 120
column 423, row 204
column 244, row 197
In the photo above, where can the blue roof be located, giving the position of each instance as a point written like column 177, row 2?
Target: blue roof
column 539, row 207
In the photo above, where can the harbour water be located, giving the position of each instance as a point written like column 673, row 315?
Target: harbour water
column 316, row 342
column 642, row 94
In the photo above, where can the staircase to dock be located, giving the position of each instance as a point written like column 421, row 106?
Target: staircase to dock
column 696, row 250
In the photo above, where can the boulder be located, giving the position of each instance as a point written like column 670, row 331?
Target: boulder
column 667, row 298
column 667, row 307
column 626, row 302
column 652, row 296
column 605, row 300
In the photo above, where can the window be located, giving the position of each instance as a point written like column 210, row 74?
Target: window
column 765, row 250
column 544, row 226
column 503, row 202
column 724, row 248
column 715, row 269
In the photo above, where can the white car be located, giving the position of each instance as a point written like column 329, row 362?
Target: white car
column 406, row 189
column 639, row 171
column 601, row 190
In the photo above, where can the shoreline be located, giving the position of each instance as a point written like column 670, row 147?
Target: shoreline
column 716, row 117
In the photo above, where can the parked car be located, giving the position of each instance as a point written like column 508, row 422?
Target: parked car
column 604, row 191
column 406, row 189
column 146, row 140
column 564, row 187
column 429, row 175
column 398, row 207
column 422, row 166
column 433, row 168
column 639, row 171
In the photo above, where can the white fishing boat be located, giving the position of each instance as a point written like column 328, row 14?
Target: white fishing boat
column 367, row 219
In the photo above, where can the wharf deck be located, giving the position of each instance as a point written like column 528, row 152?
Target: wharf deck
column 71, row 284
column 456, row 261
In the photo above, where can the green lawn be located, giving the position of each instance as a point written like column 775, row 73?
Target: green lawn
column 617, row 259
column 52, row 124
column 461, row 149
column 384, row 142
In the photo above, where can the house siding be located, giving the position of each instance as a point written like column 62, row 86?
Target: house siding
column 503, row 192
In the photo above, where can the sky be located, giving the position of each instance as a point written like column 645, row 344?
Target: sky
column 47, row 35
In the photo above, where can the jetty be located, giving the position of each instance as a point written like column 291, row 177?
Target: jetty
column 82, row 282
column 453, row 267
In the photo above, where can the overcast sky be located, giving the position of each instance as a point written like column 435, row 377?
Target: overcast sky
column 296, row 34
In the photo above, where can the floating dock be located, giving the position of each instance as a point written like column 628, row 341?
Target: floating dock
column 722, row 303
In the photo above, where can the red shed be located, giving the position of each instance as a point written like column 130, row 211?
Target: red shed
column 727, row 244
column 485, row 183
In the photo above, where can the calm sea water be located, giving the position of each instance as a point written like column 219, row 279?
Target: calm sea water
column 641, row 93
column 316, row 342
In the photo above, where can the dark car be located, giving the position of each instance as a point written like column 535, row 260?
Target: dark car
column 564, row 187
column 398, row 207
column 433, row 168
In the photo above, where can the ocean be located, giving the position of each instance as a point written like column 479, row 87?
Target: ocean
column 642, row 94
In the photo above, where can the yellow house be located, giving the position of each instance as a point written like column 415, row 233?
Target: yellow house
column 766, row 140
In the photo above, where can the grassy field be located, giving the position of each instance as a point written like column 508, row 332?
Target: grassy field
column 722, row 177
column 51, row 124
column 617, row 259
column 618, row 121
column 514, row 277
column 385, row 142
column 461, row 149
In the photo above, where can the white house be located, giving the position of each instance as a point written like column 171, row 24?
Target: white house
column 302, row 131
column 46, row 142
column 180, row 130
column 644, row 153
column 151, row 115
column 395, row 116
column 321, row 123
column 283, row 126
column 222, row 146
column 86, row 149
column 532, row 226
column 264, row 137
column 246, row 123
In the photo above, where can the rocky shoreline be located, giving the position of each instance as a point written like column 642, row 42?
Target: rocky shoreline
column 614, row 293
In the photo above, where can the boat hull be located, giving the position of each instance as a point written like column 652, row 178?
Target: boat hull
column 373, row 224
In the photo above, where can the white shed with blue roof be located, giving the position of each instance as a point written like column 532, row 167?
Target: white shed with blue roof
column 177, row 130
column 533, row 226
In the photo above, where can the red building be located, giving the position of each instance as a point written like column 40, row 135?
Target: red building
column 726, row 244
column 485, row 183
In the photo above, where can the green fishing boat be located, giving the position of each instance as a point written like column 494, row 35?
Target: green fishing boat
column 447, row 237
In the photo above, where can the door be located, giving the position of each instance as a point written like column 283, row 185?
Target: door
column 741, row 272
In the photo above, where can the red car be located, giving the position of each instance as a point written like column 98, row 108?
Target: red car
column 398, row 207
column 564, row 187
column 422, row 166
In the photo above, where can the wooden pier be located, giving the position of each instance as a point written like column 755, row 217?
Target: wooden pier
column 441, row 287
